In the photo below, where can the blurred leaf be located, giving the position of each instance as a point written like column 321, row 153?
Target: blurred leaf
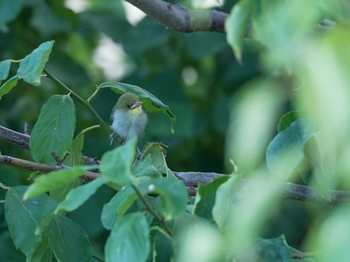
column 286, row 120
column 69, row 241
column 274, row 249
column 173, row 196
column 116, row 164
column 55, row 179
column 224, row 209
column 53, row 132
column 76, row 197
column 203, row 44
column 253, row 116
column 286, row 151
column 147, row 34
column 205, row 198
column 9, row 10
column 107, row 22
column 47, row 22
column 108, row 5
column 4, row 69
column 195, row 239
column 236, row 26
column 129, row 239
column 150, row 102
column 296, row 19
column 330, row 235
column 8, row 85
column 117, row 206
column 23, row 217
column 31, row 67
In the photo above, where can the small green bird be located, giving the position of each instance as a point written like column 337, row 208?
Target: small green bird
column 128, row 118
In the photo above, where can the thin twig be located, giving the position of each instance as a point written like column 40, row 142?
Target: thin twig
column 78, row 98
column 151, row 210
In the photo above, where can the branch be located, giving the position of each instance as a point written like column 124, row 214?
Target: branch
column 14, row 137
column 289, row 190
column 178, row 18
column 190, row 179
column 12, row 161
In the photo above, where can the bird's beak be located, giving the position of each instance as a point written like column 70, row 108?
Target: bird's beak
column 136, row 104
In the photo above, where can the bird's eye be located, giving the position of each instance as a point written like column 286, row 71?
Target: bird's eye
column 128, row 106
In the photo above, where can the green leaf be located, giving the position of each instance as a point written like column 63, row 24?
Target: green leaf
column 117, row 206
column 286, row 120
column 32, row 66
column 53, row 132
column 205, row 198
column 286, row 151
column 274, row 249
column 42, row 252
column 9, row 10
column 162, row 248
column 54, row 180
column 150, row 102
column 173, row 196
column 23, row 217
column 4, row 69
column 129, row 239
column 236, row 26
column 8, row 85
column 116, row 164
column 156, row 153
column 145, row 168
column 79, row 195
column 75, row 156
column 69, row 241
column 224, row 207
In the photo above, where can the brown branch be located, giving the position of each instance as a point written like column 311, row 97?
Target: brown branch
column 289, row 190
column 14, row 137
column 179, row 18
column 190, row 179
column 12, row 161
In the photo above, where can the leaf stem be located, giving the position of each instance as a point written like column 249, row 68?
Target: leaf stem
column 77, row 97
column 93, row 95
column 152, row 211
column 97, row 258
column 3, row 186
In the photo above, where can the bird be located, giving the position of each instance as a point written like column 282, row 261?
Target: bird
column 128, row 118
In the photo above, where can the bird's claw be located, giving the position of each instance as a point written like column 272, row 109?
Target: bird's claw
column 111, row 137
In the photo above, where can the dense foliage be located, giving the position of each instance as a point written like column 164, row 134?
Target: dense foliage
column 267, row 101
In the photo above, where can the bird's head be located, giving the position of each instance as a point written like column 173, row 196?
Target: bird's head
column 130, row 103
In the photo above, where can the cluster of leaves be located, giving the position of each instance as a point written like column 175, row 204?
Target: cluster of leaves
column 42, row 218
